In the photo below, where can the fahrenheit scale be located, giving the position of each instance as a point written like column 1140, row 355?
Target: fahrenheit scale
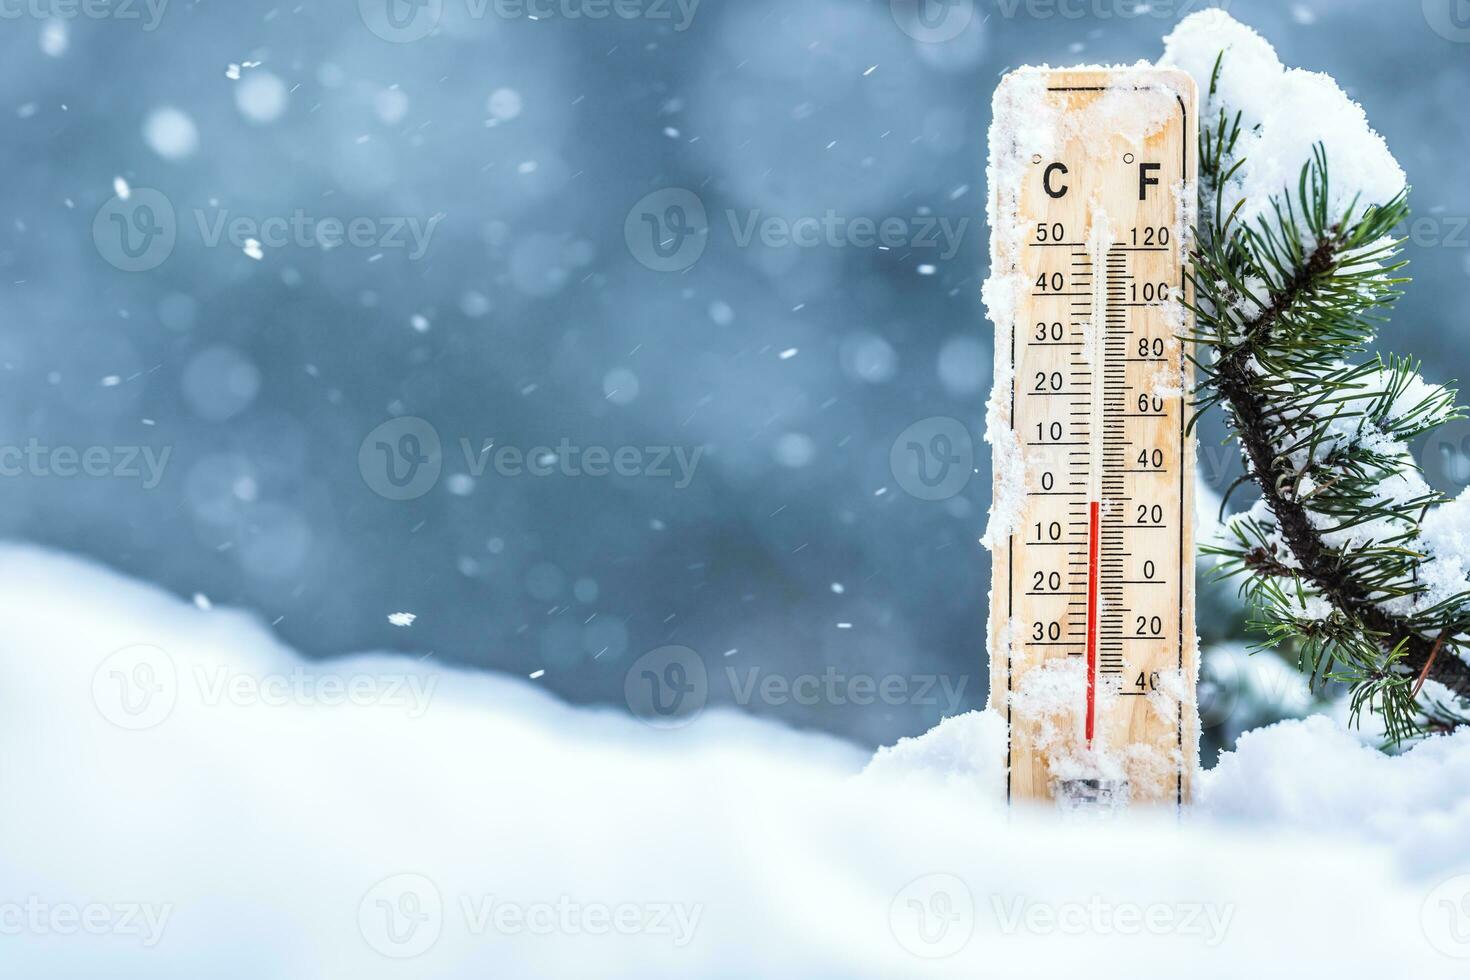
column 1093, row 652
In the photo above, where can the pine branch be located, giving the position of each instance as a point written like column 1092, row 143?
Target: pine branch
column 1318, row 562
column 1333, row 558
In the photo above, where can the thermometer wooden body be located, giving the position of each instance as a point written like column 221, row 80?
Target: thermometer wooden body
column 1093, row 653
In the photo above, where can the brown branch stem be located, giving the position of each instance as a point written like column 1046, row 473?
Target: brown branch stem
column 1319, row 564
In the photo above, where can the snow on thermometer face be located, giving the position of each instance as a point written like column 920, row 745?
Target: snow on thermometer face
column 1093, row 654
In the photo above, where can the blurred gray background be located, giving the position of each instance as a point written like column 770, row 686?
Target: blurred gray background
column 519, row 270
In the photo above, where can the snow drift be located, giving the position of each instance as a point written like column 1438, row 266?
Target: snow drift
column 184, row 797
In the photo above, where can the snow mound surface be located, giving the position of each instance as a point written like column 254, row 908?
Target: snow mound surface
column 1285, row 112
column 185, row 798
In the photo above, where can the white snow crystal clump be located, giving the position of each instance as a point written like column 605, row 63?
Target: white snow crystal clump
column 965, row 754
column 1313, row 773
column 1285, row 112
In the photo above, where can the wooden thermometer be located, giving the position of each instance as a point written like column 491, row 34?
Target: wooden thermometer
column 1093, row 653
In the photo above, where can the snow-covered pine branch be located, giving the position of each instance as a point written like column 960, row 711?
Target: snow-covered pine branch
column 1348, row 554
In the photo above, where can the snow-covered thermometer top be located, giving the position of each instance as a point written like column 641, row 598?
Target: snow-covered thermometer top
column 1092, row 645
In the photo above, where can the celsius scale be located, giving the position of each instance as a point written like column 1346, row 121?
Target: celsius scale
column 1093, row 652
